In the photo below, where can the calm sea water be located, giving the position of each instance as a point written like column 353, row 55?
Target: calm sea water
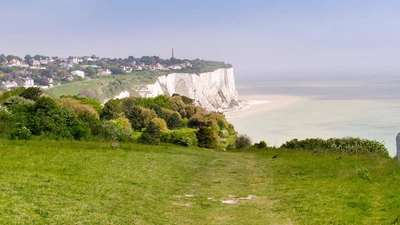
column 365, row 107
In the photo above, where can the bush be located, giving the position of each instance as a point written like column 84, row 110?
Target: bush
column 206, row 138
column 261, row 145
column 32, row 93
column 160, row 123
column 151, row 135
column 242, row 141
column 20, row 133
column 183, row 138
column 347, row 145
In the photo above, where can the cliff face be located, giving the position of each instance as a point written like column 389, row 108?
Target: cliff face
column 215, row 91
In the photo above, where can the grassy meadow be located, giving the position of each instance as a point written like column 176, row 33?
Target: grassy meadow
column 70, row 182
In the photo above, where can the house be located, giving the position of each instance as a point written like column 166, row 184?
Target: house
column 78, row 73
column 75, row 60
column 69, row 78
column 174, row 67
column 24, row 65
column 137, row 68
column 10, row 84
column 126, row 69
column 35, row 62
column 43, row 61
column 158, row 66
column 67, row 64
column 187, row 64
column 28, row 82
column 13, row 63
column 104, row 71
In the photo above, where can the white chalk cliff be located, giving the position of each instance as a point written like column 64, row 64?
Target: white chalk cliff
column 215, row 91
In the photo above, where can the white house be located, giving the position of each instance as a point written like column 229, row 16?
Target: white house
column 28, row 82
column 78, row 73
column 104, row 71
column 13, row 62
column 67, row 64
column 10, row 84
column 174, row 67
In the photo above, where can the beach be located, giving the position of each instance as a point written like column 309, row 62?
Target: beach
column 253, row 105
column 279, row 111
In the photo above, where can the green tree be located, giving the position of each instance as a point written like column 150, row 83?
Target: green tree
column 112, row 109
column 151, row 135
column 206, row 138
column 174, row 121
column 90, row 71
column 32, row 93
column 135, row 118
column 27, row 57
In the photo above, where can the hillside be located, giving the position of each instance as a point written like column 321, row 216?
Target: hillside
column 69, row 182
column 92, row 76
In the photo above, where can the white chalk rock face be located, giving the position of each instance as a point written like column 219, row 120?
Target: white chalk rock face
column 215, row 91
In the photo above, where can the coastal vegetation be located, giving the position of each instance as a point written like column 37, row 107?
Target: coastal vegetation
column 29, row 114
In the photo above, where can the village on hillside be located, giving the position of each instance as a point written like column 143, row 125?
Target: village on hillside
column 44, row 71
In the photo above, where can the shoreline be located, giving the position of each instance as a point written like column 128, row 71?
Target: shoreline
column 252, row 105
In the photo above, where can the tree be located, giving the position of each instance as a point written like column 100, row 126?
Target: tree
column 32, row 93
column 178, row 105
column 151, row 135
column 242, row 141
column 261, row 145
column 27, row 57
column 135, row 117
column 160, row 123
column 175, row 121
column 206, row 138
column 112, row 109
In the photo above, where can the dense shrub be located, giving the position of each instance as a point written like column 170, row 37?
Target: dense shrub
column 20, row 133
column 160, row 123
column 151, row 135
column 117, row 130
column 112, row 109
column 242, row 141
column 183, row 138
column 261, row 145
column 76, row 106
column 5, row 95
column 175, row 121
column 32, row 93
column 53, row 120
column 206, row 138
column 345, row 145
column 17, row 100
column 197, row 120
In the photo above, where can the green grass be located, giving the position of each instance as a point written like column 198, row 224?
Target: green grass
column 66, row 182
column 74, row 88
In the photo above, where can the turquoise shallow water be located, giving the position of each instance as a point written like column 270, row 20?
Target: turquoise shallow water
column 365, row 107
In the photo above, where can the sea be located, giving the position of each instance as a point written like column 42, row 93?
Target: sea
column 367, row 107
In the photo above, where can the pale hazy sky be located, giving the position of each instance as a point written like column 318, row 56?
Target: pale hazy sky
column 264, row 36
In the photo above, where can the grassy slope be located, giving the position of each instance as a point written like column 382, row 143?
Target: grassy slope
column 74, row 88
column 53, row 182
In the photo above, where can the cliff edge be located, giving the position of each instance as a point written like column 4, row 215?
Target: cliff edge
column 215, row 91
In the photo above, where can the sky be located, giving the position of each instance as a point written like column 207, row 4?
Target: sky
column 268, row 37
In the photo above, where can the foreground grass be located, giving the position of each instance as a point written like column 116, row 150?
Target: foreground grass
column 52, row 182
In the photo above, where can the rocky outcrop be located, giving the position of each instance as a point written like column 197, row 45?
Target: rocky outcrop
column 215, row 91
